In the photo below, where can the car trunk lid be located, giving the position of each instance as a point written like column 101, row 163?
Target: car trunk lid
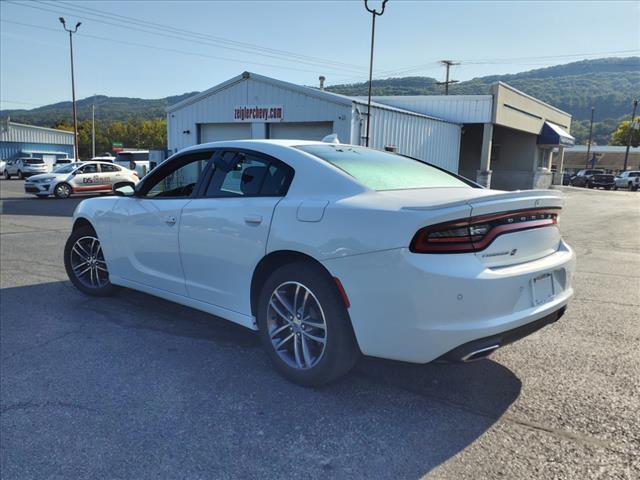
column 514, row 222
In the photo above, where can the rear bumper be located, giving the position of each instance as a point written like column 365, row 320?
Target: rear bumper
column 417, row 308
column 483, row 347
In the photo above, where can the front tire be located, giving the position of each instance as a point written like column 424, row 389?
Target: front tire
column 85, row 264
column 20, row 175
column 304, row 325
column 7, row 176
column 62, row 190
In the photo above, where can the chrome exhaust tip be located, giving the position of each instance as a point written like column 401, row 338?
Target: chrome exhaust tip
column 479, row 354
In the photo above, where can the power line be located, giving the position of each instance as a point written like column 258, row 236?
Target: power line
column 164, row 49
column 252, row 47
column 191, row 37
column 15, row 102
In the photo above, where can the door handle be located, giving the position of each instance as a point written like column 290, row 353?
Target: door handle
column 253, row 219
column 170, row 221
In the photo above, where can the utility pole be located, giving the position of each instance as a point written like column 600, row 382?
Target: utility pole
column 374, row 13
column 73, row 86
column 93, row 130
column 448, row 64
column 586, row 160
column 630, row 134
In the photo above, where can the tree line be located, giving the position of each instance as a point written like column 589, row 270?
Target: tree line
column 144, row 134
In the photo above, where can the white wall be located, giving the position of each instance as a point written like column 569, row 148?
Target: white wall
column 219, row 108
column 430, row 140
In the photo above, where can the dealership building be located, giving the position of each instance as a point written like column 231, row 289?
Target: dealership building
column 19, row 140
column 505, row 139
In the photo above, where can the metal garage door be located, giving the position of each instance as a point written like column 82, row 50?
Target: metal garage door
column 215, row 132
column 300, row 130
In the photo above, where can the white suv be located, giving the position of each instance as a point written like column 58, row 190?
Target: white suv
column 24, row 167
column 81, row 177
column 630, row 180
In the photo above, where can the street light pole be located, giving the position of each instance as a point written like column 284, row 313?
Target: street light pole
column 93, row 129
column 629, row 135
column 73, row 86
column 586, row 160
column 374, row 13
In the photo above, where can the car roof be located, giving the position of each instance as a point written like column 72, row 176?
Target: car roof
column 247, row 144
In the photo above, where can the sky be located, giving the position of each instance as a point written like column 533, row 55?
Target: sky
column 153, row 49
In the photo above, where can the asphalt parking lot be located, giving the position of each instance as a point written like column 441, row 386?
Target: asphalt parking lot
column 136, row 387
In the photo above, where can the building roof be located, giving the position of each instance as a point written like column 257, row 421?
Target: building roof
column 312, row 92
column 602, row 149
column 13, row 132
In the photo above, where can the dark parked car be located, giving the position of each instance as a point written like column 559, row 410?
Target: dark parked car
column 593, row 178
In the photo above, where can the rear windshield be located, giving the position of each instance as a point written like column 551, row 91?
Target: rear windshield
column 68, row 168
column 32, row 161
column 383, row 170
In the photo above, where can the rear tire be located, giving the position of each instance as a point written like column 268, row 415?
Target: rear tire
column 20, row 176
column 301, row 309
column 62, row 190
column 85, row 263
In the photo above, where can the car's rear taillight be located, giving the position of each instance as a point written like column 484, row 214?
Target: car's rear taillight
column 477, row 233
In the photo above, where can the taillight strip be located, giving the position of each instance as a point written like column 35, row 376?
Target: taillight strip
column 472, row 242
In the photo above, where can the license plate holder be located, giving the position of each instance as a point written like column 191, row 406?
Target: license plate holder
column 543, row 289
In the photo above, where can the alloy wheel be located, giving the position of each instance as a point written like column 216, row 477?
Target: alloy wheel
column 88, row 264
column 296, row 325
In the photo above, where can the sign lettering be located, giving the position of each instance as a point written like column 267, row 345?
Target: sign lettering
column 258, row 113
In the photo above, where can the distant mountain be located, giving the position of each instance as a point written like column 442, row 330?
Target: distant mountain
column 108, row 109
column 608, row 84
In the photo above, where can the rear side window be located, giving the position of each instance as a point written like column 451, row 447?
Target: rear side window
column 240, row 174
column 634, row 174
column 106, row 167
column 383, row 170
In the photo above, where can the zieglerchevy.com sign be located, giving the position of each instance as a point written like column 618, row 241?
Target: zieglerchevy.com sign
column 258, row 113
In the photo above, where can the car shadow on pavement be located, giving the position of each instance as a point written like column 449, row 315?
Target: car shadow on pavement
column 49, row 207
column 145, row 388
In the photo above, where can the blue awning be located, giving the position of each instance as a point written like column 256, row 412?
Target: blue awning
column 554, row 135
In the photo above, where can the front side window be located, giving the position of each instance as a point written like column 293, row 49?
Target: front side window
column 178, row 178
column 383, row 170
column 240, row 174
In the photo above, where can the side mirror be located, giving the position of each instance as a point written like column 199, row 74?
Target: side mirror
column 125, row 191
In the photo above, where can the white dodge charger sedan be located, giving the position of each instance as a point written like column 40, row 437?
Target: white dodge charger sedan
column 331, row 251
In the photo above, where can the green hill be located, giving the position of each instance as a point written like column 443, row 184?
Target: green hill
column 608, row 84
column 108, row 109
